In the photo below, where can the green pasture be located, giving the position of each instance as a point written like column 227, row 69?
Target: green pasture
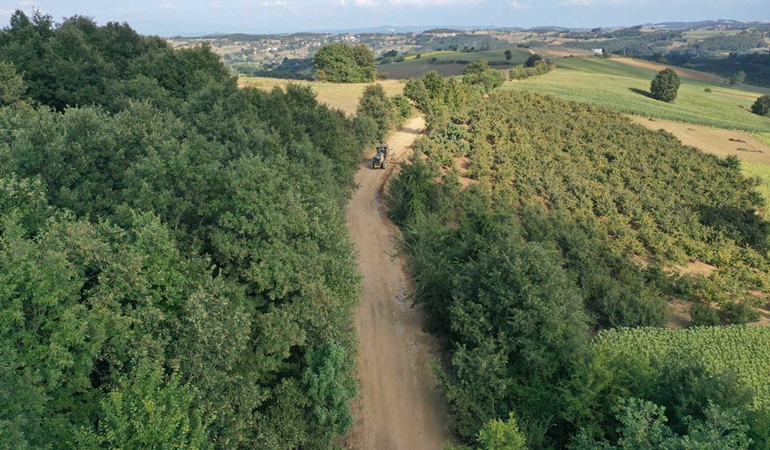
column 615, row 85
column 413, row 67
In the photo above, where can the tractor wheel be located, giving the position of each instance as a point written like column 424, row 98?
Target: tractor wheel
column 371, row 164
column 385, row 164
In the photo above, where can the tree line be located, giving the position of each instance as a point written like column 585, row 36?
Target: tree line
column 175, row 271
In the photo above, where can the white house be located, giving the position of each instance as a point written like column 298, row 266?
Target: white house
column 598, row 51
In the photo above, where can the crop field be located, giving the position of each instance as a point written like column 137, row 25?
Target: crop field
column 342, row 96
column 742, row 350
column 622, row 87
column 703, row 33
column 413, row 67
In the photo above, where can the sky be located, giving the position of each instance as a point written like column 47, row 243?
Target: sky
column 173, row 17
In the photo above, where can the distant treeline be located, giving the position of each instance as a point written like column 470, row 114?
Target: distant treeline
column 756, row 66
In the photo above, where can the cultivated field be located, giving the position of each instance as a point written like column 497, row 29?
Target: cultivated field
column 622, row 87
column 339, row 96
column 413, row 67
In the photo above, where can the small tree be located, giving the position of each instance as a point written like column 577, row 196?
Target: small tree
column 478, row 73
column 761, row 106
column 375, row 104
column 508, row 55
column 533, row 60
column 665, row 85
column 737, row 78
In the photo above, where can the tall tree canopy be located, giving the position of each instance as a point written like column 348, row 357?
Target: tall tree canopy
column 174, row 267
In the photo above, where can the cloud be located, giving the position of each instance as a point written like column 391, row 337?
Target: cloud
column 26, row 3
column 275, row 4
column 434, row 2
column 518, row 5
column 268, row 3
column 589, row 3
column 168, row 5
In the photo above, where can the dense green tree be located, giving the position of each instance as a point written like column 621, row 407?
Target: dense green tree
column 329, row 389
column 416, row 91
column 643, row 426
column 508, row 55
column 180, row 259
column 762, row 105
column 532, row 60
column 403, row 108
column 376, row 105
column 341, row 63
column 665, row 85
column 479, row 74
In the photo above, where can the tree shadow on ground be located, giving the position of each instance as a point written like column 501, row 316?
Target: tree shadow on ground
column 641, row 92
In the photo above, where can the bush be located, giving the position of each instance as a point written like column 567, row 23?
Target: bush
column 365, row 129
column 532, row 60
column 703, row 314
column 761, row 106
column 665, row 85
column 403, row 107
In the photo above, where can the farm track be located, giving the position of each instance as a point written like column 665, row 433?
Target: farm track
column 399, row 405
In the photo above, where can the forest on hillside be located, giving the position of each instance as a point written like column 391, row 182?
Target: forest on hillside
column 175, row 271
column 531, row 224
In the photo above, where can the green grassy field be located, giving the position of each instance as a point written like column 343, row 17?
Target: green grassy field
column 615, row 85
column 413, row 67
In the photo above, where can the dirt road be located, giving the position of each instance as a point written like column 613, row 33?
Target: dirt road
column 399, row 405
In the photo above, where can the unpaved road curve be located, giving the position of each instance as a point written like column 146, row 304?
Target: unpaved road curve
column 399, row 405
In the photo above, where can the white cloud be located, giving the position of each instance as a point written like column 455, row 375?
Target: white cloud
column 588, row 3
column 434, row 2
column 168, row 5
column 518, row 5
column 276, row 3
column 27, row 3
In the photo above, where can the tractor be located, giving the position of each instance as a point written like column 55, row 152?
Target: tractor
column 380, row 160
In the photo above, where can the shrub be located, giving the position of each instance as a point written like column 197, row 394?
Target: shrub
column 761, row 106
column 703, row 314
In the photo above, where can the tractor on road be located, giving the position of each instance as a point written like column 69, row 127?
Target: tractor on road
column 380, row 160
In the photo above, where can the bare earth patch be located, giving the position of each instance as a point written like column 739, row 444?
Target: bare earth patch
column 680, row 315
column 716, row 141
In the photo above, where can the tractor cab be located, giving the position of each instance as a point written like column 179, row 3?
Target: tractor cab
column 380, row 160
